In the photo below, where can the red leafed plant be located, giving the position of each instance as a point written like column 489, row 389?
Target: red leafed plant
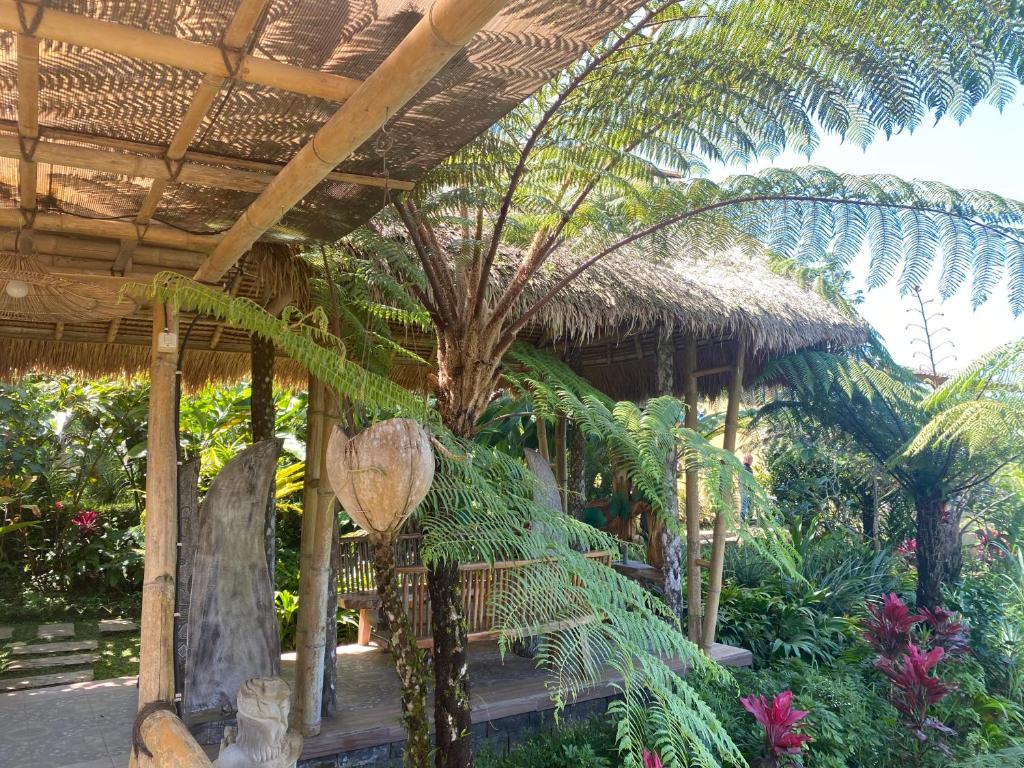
column 87, row 522
column 915, row 689
column 946, row 631
column 782, row 742
column 888, row 628
column 651, row 759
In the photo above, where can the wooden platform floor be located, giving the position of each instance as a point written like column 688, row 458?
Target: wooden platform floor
column 88, row 725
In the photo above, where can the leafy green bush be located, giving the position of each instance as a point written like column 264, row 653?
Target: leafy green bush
column 850, row 722
column 588, row 744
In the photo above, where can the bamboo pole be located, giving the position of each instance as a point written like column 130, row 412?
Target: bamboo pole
column 542, row 438
column 156, row 650
column 436, row 38
column 171, row 744
column 315, row 566
column 693, row 590
column 83, row 249
column 154, row 234
column 732, row 412
column 132, row 158
column 28, row 127
column 136, row 43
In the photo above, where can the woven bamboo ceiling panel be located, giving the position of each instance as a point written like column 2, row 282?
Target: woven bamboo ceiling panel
column 88, row 97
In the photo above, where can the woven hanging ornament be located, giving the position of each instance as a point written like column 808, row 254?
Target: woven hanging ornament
column 29, row 292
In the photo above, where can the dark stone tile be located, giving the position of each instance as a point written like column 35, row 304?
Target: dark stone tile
column 365, row 758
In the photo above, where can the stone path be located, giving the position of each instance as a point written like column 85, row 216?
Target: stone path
column 59, row 649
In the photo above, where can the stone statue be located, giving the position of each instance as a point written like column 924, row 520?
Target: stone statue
column 262, row 738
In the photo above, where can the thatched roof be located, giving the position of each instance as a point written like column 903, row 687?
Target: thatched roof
column 608, row 318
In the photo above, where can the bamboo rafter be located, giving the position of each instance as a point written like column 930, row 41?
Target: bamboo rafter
column 436, row 38
column 130, row 158
column 28, row 128
column 76, row 29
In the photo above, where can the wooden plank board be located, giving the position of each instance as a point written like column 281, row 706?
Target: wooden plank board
column 112, row 626
column 51, row 631
column 71, row 660
column 36, row 649
column 6, row 633
column 44, row 681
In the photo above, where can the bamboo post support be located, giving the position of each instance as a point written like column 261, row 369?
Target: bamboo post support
column 170, row 743
column 442, row 32
column 732, row 411
column 693, row 588
column 314, row 569
column 542, row 438
column 156, row 651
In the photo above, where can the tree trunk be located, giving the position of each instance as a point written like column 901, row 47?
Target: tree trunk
column 329, row 688
column 408, row 658
column 939, row 556
column 671, row 541
column 451, row 668
column 263, row 420
column 577, row 470
column 466, row 378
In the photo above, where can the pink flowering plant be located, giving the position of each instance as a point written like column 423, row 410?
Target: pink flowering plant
column 783, row 743
column 651, row 759
column 889, row 625
column 87, row 521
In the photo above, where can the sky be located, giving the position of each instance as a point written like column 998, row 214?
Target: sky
column 985, row 152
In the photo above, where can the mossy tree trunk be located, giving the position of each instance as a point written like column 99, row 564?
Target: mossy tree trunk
column 263, row 422
column 939, row 553
column 408, row 657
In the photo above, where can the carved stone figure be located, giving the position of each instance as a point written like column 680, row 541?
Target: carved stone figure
column 262, row 738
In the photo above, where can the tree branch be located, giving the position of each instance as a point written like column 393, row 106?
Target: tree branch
column 518, row 324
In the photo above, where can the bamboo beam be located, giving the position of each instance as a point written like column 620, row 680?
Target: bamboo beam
column 28, row 129
column 171, row 744
column 154, row 234
column 136, row 43
column 132, row 158
column 235, row 38
column 693, row 590
column 732, row 412
column 236, row 284
column 89, row 251
column 156, row 662
column 436, row 38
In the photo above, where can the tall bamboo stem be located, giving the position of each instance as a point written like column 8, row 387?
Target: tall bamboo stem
column 313, row 574
column 156, row 649
column 693, row 597
column 561, row 460
column 732, row 412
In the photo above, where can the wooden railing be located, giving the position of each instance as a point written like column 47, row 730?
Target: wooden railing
column 480, row 583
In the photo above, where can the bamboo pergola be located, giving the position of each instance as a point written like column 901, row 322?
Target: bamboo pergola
column 160, row 135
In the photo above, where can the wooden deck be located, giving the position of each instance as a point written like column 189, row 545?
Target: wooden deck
column 501, row 688
column 88, row 725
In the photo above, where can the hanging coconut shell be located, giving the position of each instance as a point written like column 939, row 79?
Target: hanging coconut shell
column 381, row 474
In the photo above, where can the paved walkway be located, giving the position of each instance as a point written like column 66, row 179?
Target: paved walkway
column 88, row 725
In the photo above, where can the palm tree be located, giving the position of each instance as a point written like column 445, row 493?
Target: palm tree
column 943, row 446
column 610, row 155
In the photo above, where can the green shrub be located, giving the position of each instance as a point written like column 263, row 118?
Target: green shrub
column 587, row 744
